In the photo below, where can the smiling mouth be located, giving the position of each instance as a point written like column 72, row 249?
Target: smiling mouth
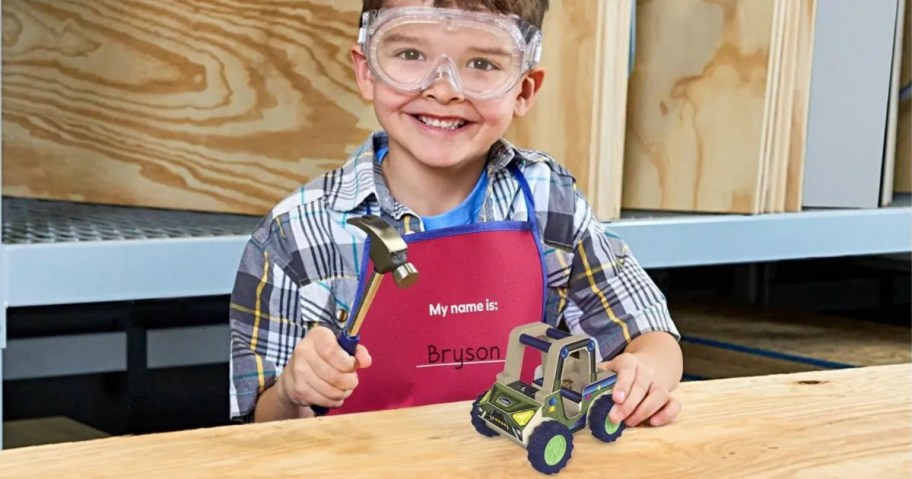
column 441, row 123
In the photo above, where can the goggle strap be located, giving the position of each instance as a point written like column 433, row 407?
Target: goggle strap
column 366, row 20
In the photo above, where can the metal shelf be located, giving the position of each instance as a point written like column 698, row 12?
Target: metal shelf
column 60, row 252
column 673, row 240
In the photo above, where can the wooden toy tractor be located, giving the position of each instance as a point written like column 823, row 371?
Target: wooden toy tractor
column 542, row 416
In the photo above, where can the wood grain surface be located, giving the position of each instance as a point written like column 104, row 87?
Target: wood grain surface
column 223, row 105
column 846, row 423
column 696, row 105
column 226, row 105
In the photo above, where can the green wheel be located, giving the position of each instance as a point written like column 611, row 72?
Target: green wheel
column 550, row 447
column 599, row 422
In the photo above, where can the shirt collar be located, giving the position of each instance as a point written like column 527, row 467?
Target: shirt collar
column 362, row 178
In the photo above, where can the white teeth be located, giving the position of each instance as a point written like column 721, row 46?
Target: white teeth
column 444, row 124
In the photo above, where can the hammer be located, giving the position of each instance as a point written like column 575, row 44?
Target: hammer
column 388, row 253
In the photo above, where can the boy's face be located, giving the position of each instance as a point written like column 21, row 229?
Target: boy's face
column 438, row 127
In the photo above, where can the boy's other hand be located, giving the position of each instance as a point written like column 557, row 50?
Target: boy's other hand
column 320, row 372
column 637, row 396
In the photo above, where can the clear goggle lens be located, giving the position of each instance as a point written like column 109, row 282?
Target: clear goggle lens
column 480, row 59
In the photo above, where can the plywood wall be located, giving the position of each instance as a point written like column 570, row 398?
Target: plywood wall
column 696, row 106
column 212, row 105
column 718, row 107
column 225, row 105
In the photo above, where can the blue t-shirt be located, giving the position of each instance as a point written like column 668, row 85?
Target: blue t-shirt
column 464, row 214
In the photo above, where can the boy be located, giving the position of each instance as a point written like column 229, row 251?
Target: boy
column 445, row 78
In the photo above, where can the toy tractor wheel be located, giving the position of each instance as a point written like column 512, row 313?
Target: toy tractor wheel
column 480, row 425
column 599, row 422
column 550, row 447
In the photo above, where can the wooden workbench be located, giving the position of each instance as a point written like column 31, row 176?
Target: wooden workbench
column 843, row 423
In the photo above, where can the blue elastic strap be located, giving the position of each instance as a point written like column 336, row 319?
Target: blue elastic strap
column 527, row 194
column 533, row 223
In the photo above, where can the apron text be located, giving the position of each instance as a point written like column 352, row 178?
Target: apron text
column 443, row 309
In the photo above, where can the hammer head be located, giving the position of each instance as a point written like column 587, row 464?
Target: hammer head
column 387, row 250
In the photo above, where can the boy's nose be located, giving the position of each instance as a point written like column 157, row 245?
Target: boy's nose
column 444, row 86
column 443, row 91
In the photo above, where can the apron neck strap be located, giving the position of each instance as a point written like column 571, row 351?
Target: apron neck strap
column 527, row 194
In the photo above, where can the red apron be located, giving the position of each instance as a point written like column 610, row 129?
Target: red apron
column 444, row 339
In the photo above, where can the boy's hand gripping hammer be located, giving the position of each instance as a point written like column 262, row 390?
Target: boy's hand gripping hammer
column 388, row 253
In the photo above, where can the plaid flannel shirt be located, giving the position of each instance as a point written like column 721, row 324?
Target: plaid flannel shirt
column 301, row 265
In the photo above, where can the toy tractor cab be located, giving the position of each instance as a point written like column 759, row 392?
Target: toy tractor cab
column 542, row 415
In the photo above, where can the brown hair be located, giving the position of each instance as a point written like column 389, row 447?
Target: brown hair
column 532, row 11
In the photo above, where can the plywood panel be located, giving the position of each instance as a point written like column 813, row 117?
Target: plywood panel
column 785, row 141
column 214, row 105
column 770, row 107
column 610, row 124
column 778, row 118
column 902, row 181
column 797, row 142
column 786, row 97
column 696, row 105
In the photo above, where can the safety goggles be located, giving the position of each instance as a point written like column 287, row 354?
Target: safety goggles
column 481, row 54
